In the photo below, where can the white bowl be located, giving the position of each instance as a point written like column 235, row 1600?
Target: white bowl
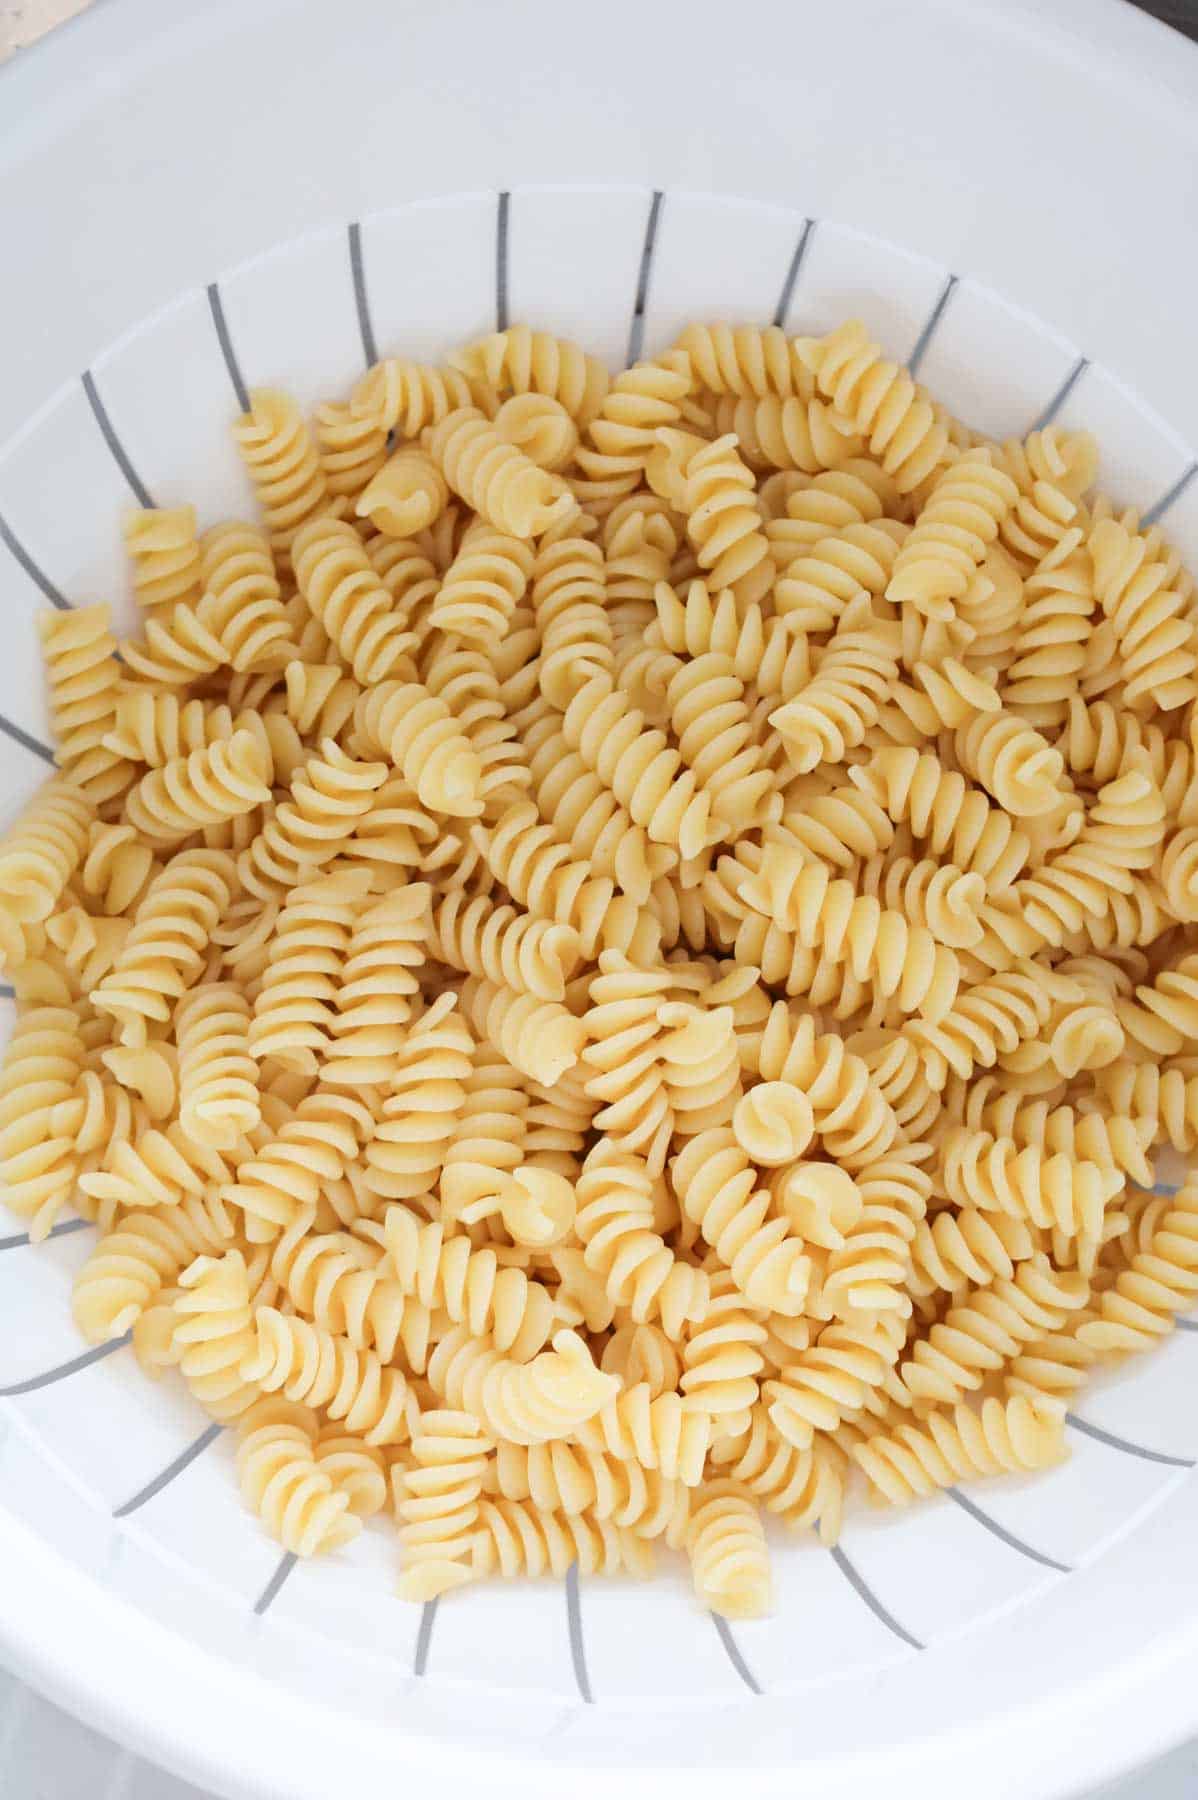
column 195, row 196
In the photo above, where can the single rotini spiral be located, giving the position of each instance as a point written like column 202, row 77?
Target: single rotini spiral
column 438, row 1503
column 1002, row 1437
column 1052, row 469
column 804, row 1488
column 985, row 1328
column 1013, row 762
column 163, row 548
column 223, row 781
column 387, row 945
column 295, row 1006
column 831, row 1379
column 936, row 895
column 502, row 484
column 821, row 579
column 295, row 1163
column 538, row 1037
column 833, row 712
column 526, row 1403
column 89, row 946
column 1123, row 830
column 954, row 1251
column 329, row 796
column 404, row 721
column 640, row 766
column 38, row 1148
column 117, row 868
column 881, row 401
column 164, row 952
column 715, row 1182
column 404, row 397
column 242, row 605
column 867, row 1274
column 282, row 1480
column 949, row 539
column 277, row 449
column 525, row 362
column 319, row 700
column 345, row 1285
column 995, row 1175
column 700, row 1061
column 561, row 1477
column 744, row 360
column 989, row 1019
column 40, row 854
column 723, row 521
column 131, row 1264
column 338, row 582
column 709, row 716
column 1163, row 1018
column 729, row 1559
column 788, row 432
column 84, row 676
column 158, row 727
column 569, row 599
column 471, row 1286
column 322, row 1369
column 623, row 433
column 586, row 817
column 522, row 852
column 1165, row 1095
column 773, row 1123
column 463, row 677
column 407, row 1149
column 828, row 507
column 1044, row 677
column 1121, row 1139
column 212, row 1330
column 513, row 949
column 771, row 654
column 615, row 1224
column 667, row 1434
column 405, row 496
column 856, row 1123
column 1159, row 1282
column 218, row 1079
column 1099, row 739
column 514, row 1539
column 489, row 1138
column 177, row 649
column 484, row 584
column 352, row 449
column 541, row 427
column 958, row 821
column 1137, row 586
column 880, row 945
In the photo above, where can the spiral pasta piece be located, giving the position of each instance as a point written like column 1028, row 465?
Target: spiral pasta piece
column 536, row 363
column 729, row 1559
column 881, row 401
column 471, row 1286
column 622, row 435
column 1122, row 833
column 586, row 817
column 958, row 821
column 212, row 1330
column 330, row 794
column 714, row 728
column 164, row 952
column 294, row 1008
column 218, row 1080
column 84, row 678
column 407, row 1149
column 223, row 781
column 131, row 1264
column 504, row 946
column 541, row 427
column 337, row 580
column 38, row 1148
column 1011, row 1437
column 723, row 522
column 643, row 771
column 988, row 1327
column 438, row 1503
column 281, row 460
column 1136, row 583
column 422, row 738
column 771, row 654
column 948, row 541
column 463, row 677
column 569, row 599
column 297, row 1161
column 483, row 585
column 405, row 496
column 1051, row 1191
column 525, row 1403
column 804, row 1488
column 242, row 605
column 163, row 548
column 322, row 1369
column 396, row 395
column 117, row 868
column 700, row 1062
column 538, row 1037
column 541, row 875
column 1012, row 762
column 1159, row 1282
column 715, row 1183
column 514, row 1539
column 561, row 1477
column 352, row 449
column 377, row 981
column 833, row 712
column 615, row 1223
column 773, row 1123
column 40, row 854
column 497, row 480
column 287, row 1485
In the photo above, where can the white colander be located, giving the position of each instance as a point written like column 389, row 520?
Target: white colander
column 195, row 198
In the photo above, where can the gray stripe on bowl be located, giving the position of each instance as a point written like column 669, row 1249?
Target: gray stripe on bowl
column 636, row 333
column 1062, row 394
column 735, row 1654
column 36, row 574
column 165, row 1476
column 108, row 432
column 1117, row 1443
column 786, row 297
column 871, row 1600
column 66, row 1229
column 26, row 739
column 578, row 1649
column 1171, row 495
column 503, row 222
column 216, row 307
column 1007, row 1537
column 269, row 1594
column 49, row 1376
column 934, row 317
column 361, row 297
column 424, row 1637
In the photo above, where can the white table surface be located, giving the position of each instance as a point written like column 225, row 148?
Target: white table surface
column 45, row 1754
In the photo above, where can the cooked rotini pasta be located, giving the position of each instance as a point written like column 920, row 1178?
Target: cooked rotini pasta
column 616, row 964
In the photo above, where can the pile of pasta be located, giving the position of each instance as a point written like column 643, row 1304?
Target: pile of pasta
column 618, row 961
